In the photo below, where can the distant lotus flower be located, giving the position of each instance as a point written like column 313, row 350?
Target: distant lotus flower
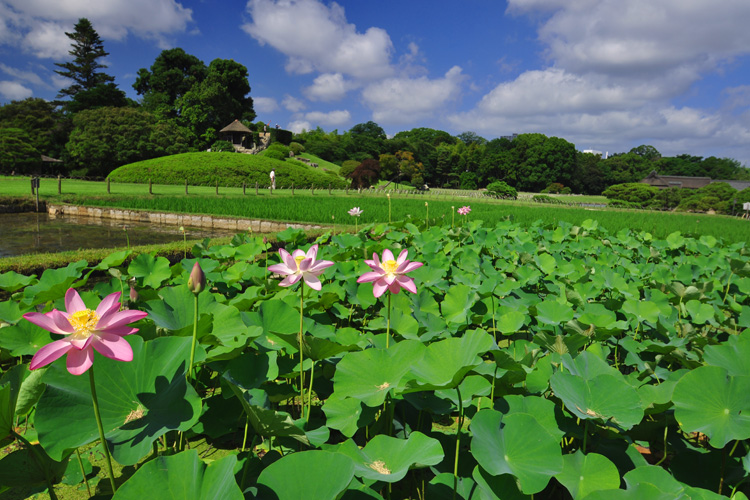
column 300, row 265
column 355, row 212
column 85, row 329
column 390, row 273
column 464, row 210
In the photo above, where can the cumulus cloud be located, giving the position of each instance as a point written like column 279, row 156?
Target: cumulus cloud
column 329, row 87
column 265, row 104
column 39, row 26
column 402, row 100
column 293, row 104
column 298, row 126
column 329, row 119
column 316, row 37
column 14, row 91
column 620, row 73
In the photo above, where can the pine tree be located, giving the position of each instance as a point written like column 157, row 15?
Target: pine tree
column 83, row 69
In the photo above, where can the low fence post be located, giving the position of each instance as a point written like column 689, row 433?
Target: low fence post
column 150, row 190
column 186, row 187
column 292, row 189
column 243, row 189
column 256, row 188
column 108, row 188
column 217, row 188
column 329, row 189
column 59, row 184
column 312, row 190
column 33, row 183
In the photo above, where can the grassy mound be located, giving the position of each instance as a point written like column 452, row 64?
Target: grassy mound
column 228, row 169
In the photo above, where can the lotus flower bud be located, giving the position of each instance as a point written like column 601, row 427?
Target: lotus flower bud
column 133, row 295
column 197, row 280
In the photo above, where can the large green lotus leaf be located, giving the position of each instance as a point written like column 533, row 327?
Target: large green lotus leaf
column 503, row 487
column 31, row 390
column 602, row 397
column 546, row 263
column 307, row 474
column 113, row 260
column 666, row 484
column 139, row 401
column 10, row 387
column 588, row 365
column 643, row 491
column 402, row 323
column 10, row 281
column 151, row 271
column 182, row 477
column 388, row 459
column 264, row 420
column 10, row 312
column 597, row 315
column 275, row 317
column 551, row 312
column 457, row 303
column 347, row 415
column 470, row 387
column 440, row 487
column 370, row 374
column 317, row 348
column 227, row 329
column 25, row 467
column 25, row 338
column 446, row 362
column 515, row 444
column 252, row 369
column 508, row 320
column 583, row 474
column 731, row 355
column 642, row 310
column 700, row 313
column 710, row 401
column 176, row 309
column 53, row 284
column 542, row 409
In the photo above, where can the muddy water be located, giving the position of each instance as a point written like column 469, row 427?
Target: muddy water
column 26, row 233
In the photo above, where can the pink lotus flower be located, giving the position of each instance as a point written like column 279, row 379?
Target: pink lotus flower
column 390, row 273
column 85, row 331
column 300, row 265
column 355, row 212
column 464, row 210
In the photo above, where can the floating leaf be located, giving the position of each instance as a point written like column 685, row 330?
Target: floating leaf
column 710, row 401
column 151, row 271
column 388, row 459
column 139, row 400
column 182, row 477
column 515, row 444
column 583, row 474
column 307, row 474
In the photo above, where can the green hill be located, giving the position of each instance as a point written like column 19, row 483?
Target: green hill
column 228, row 169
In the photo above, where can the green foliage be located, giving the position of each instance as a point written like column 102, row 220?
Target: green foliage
column 296, row 148
column 17, row 154
column 554, row 188
column 543, row 198
column 222, row 147
column 106, row 138
column 468, row 180
column 717, row 196
column 501, row 190
column 277, row 151
column 348, row 167
column 206, row 169
column 87, row 49
column 633, row 192
column 41, row 121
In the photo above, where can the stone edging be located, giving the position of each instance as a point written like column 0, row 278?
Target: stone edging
column 202, row 221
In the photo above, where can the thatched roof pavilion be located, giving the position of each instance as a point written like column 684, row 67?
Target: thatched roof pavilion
column 237, row 134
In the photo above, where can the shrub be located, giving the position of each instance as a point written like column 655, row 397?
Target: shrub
column 543, row 198
column 297, row 148
column 716, row 196
column 501, row 190
column 222, row 147
column 348, row 167
column 554, row 188
column 623, row 204
column 468, row 180
column 634, row 192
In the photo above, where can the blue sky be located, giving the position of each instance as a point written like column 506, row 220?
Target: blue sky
column 604, row 74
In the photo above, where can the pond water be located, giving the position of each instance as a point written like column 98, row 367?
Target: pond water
column 25, row 233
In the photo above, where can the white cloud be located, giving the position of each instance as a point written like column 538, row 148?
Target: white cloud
column 14, row 91
column 316, row 37
column 329, row 119
column 26, row 76
column 329, row 87
column 265, row 104
column 298, row 126
column 402, row 100
column 292, row 104
column 43, row 23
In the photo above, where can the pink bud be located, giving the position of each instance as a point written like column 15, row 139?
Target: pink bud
column 197, row 280
column 133, row 295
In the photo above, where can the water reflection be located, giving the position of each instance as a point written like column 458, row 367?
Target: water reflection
column 39, row 232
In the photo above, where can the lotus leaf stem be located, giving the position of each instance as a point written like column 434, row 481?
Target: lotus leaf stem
column 97, row 415
column 40, row 461
column 83, row 471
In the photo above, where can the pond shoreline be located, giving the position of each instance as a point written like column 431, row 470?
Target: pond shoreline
column 174, row 219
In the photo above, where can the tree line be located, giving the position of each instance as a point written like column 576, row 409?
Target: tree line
column 94, row 128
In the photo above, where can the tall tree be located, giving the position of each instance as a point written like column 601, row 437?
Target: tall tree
column 172, row 75
column 87, row 49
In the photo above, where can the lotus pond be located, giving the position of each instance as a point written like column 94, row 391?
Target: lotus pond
column 539, row 361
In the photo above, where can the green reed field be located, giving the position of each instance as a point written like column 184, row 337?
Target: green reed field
column 324, row 208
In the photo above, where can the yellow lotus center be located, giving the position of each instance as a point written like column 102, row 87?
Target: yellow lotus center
column 299, row 259
column 390, row 266
column 84, row 322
